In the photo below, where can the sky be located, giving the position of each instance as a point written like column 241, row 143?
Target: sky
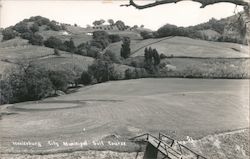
column 83, row 12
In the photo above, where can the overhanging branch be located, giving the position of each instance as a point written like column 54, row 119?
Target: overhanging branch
column 203, row 3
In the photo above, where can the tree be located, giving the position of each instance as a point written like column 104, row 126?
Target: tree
column 53, row 42
column 100, row 39
column 152, row 60
column 120, row 25
column 59, row 80
column 34, row 28
column 54, row 26
column 22, row 27
column 112, row 56
column 70, row 46
column 111, row 22
column 167, row 30
column 27, row 82
column 156, row 57
column 102, row 70
column 204, row 3
column 36, row 39
column 56, row 52
column 98, row 22
column 125, row 50
column 146, row 34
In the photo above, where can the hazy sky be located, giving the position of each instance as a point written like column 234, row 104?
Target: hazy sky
column 84, row 12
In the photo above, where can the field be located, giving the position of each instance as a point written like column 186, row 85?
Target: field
column 123, row 109
column 182, row 46
column 44, row 56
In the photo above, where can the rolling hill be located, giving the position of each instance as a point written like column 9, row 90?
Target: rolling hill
column 183, row 46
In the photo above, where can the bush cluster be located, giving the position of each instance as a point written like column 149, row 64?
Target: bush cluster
column 101, row 70
column 29, row 82
column 136, row 73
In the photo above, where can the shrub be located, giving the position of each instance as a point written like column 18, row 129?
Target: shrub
column 8, row 34
column 70, row 46
column 53, row 42
column 120, row 25
column 86, row 78
column 54, row 26
column 163, row 56
column 56, row 52
column 129, row 74
column 135, row 73
column 102, row 70
column 82, row 49
column 112, row 56
column 5, row 92
column 36, row 39
column 100, row 39
column 59, row 80
column 111, row 22
column 27, row 35
column 114, row 38
column 22, row 27
column 34, row 28
column 41, row 20
column 93, row 52
column 146, row 35
column 167, row 30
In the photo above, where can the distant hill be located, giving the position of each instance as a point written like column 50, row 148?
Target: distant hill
column 230, row 29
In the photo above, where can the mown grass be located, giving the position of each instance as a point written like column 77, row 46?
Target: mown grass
column 183, row 46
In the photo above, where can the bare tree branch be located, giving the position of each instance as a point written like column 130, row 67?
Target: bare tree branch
column 203, row 3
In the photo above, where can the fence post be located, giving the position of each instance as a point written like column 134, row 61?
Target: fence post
column 159, row 144
column 172, row 143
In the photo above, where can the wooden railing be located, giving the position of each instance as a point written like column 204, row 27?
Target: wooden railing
column 181, row 147
column 168, row 150
column 166, row 143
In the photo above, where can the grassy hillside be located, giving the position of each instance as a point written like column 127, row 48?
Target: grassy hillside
column 11, row 53
column 182, row 46
column 15, row 50
column 177, row 107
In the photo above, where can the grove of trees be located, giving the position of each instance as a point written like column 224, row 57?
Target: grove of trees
column 152, row 59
